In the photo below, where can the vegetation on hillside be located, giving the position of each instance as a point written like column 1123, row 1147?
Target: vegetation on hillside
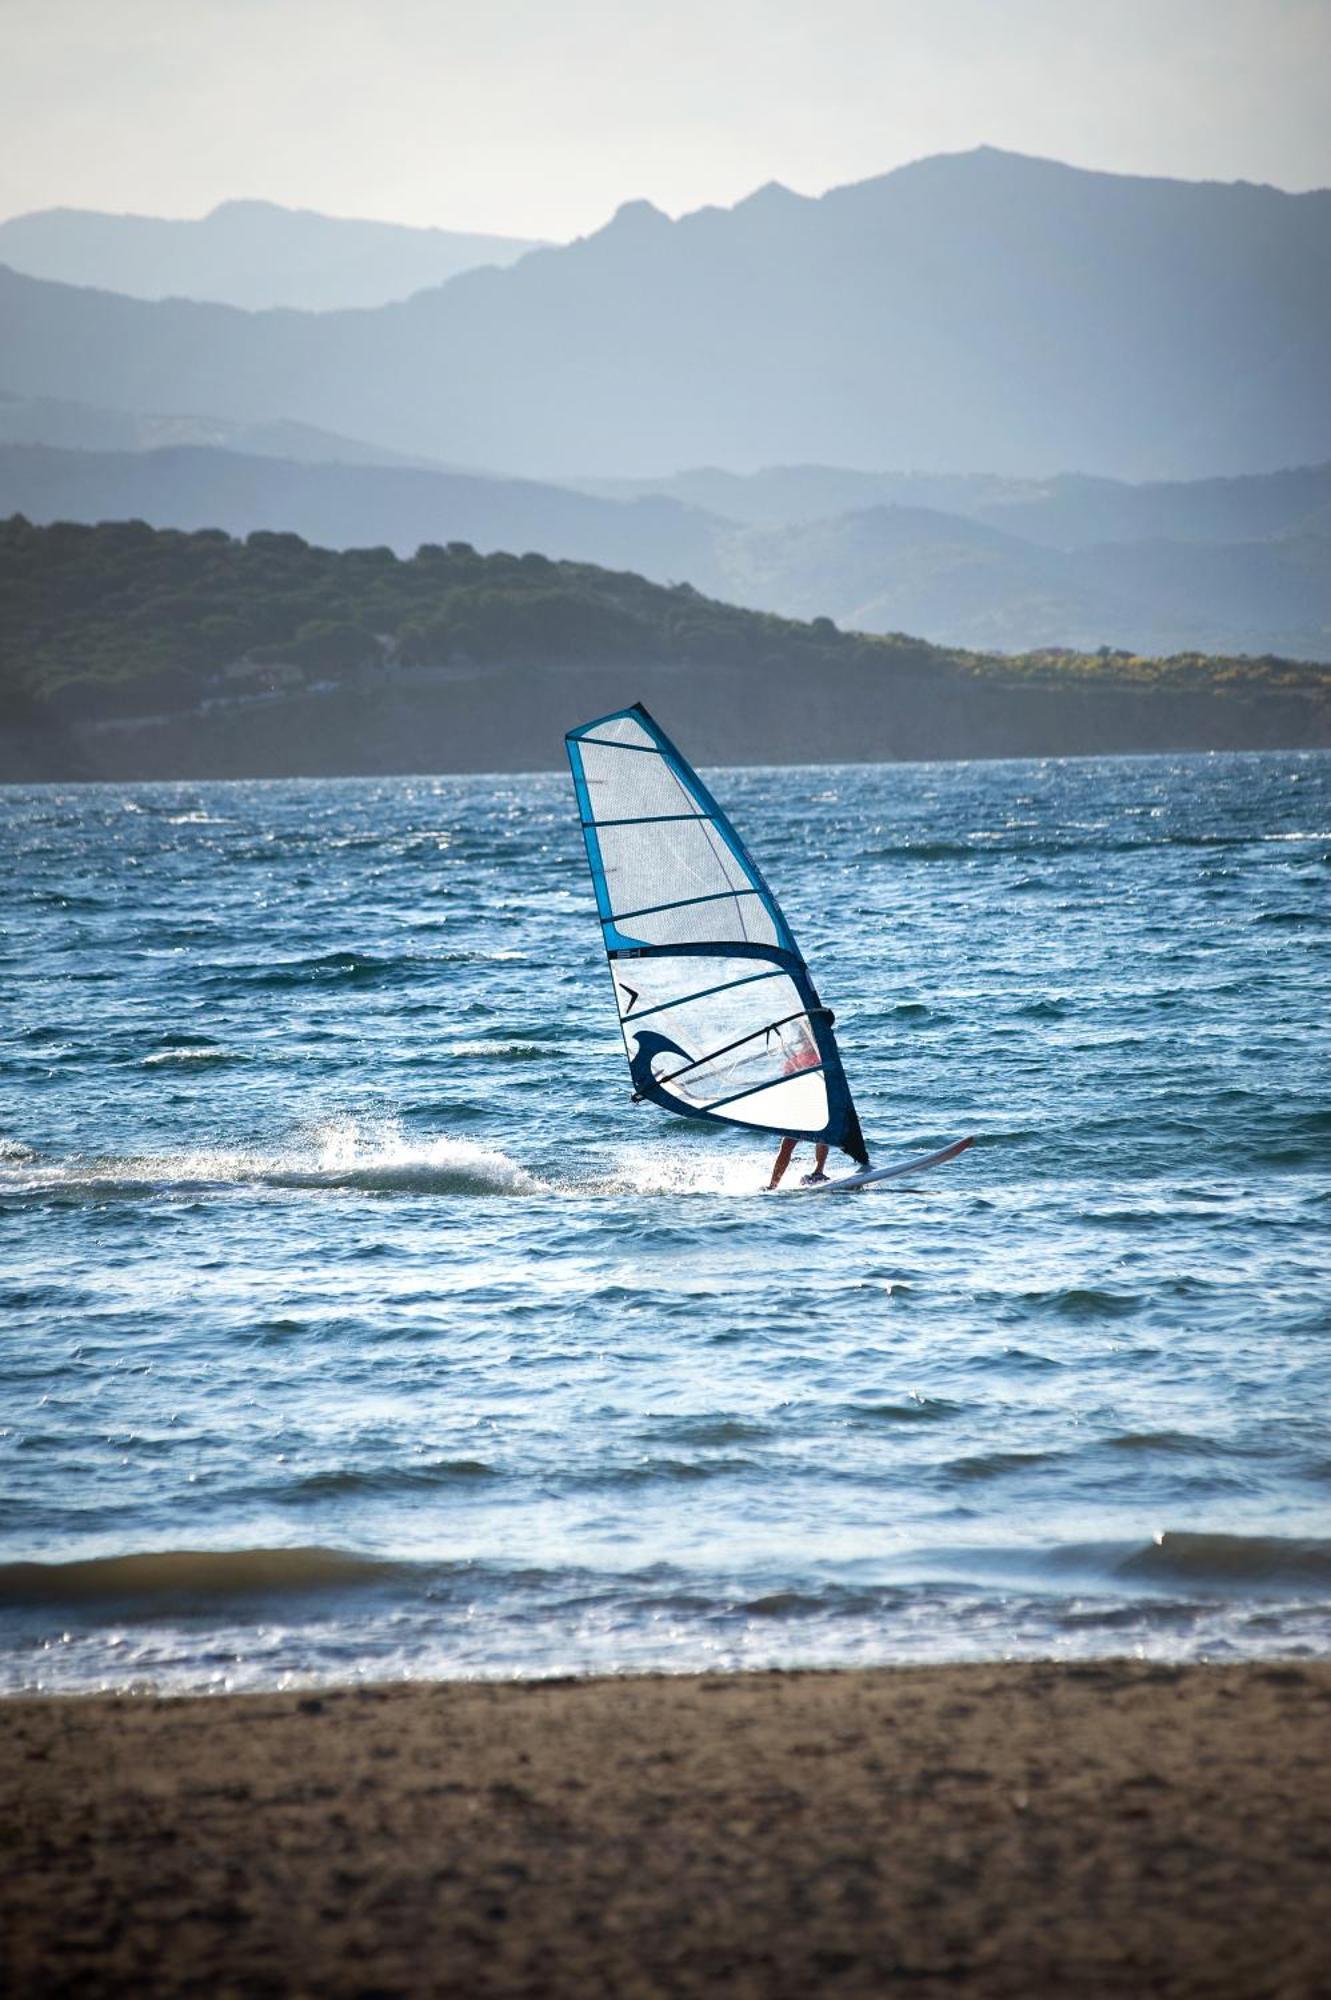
column 122, row 620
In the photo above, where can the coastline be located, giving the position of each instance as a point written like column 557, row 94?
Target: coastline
column 1101, row 1827
column 466, row 729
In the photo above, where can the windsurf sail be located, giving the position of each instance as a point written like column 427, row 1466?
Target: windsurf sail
column 719, row 1015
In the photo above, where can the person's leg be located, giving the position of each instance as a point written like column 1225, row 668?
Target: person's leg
column 781, row 1162
column 819, row 1158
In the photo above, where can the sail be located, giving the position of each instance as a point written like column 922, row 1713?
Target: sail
column 720, row 1017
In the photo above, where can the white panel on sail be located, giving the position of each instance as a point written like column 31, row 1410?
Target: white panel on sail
column 658, row 986
column 729, row 919
column 796, row 1104
column 631, row 784
column 664, row 860
column 714, row 1018
column 670, row 877
column 621, row 729
column 739, row 1040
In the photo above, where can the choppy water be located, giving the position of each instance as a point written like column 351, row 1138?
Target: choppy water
column 354, row 1322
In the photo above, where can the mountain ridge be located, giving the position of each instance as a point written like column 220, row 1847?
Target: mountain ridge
column 253, row 254
column 973, row 308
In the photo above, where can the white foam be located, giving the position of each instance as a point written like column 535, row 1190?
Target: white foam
column 682, row 1170
column 168, row 1058
column 373, row 1156
column 356, row 1152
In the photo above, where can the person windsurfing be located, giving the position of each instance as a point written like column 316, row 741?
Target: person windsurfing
column 801, row 1053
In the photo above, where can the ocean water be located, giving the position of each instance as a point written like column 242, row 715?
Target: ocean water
column 356, row 1324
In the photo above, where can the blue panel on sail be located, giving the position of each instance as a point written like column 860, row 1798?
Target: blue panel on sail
column 720, row 1017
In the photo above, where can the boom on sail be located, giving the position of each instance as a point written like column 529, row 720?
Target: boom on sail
column 719, row 1015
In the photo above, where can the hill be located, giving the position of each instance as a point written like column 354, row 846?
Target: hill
column 953, row 578
column 977, row 308
column 130, row 653
column 345, row 506
column 963, row 583
column 253, row 254
column 1065, row 512
column 68, row 425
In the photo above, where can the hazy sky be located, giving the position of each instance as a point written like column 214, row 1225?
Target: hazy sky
column 538, row 117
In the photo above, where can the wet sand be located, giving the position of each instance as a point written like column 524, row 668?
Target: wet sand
column 1098, row 1829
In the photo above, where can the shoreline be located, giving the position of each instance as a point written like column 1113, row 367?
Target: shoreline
column 178, row 755
column 1103, row 1827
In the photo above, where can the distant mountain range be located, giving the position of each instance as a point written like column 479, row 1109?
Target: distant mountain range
column 972, row 309
column 898, row 569
column 1066, row 512
column 253, row 254
column 73, row 426
column 1234, row 566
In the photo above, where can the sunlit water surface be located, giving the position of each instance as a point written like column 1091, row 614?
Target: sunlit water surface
column 356, row 1324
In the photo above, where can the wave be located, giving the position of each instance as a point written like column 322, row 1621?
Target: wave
column 1082, row 1302
column 919, row 1410
column 925, row 850
column 62, row 899
column 1232, row 1562
column 392, row 1479
column 1173, row 1444
column 349, row 1154
column 182, row 1058
column 997, row 1464
column 710, row 1430
column 1014, row 843
column 915, row 1014
column 170, row 1577
column 367, row 1157
column 381, row 1161
column 653, row 1471
column 513, row 1052
column 357, row 968
column 1164, row 1578
column 1177, row 1566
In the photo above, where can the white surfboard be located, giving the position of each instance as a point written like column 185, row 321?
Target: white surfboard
column 845, row 1183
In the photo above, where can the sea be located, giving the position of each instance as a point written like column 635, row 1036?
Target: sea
column 355, row 1324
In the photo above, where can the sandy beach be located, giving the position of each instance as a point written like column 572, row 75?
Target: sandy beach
column 1110, row 1828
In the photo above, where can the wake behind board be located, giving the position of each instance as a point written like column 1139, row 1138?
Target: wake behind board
column 845, row 1183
